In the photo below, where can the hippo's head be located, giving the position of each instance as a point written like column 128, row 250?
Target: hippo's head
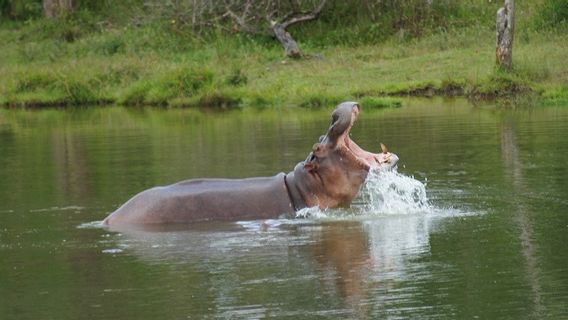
column 337, row 167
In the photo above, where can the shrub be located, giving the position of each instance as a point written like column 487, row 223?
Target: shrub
column 319, row 100
column 237, row 78
column 500, row 85
column 186, row 82
column 553, row 13
column 136, row 93
column 369, row 102
column 33, row 82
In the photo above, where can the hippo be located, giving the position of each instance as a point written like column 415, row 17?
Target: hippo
column 330, row 177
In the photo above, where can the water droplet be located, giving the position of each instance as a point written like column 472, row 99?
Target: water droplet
column 113, row 251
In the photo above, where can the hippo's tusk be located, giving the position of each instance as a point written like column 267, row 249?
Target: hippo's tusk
column 384, row 148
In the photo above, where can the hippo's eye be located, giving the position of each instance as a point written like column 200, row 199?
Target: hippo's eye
column 311, row 158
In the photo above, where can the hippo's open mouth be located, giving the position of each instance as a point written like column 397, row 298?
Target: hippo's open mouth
column 369, row 160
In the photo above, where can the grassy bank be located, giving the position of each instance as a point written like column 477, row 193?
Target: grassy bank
column 45, row 63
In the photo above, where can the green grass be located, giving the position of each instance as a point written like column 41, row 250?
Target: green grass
column 371, row 102
column 157, row 65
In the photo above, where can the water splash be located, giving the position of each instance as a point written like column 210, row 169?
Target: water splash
column 390, row 192
column 113, row 251
column 91, row 225
column 313, row 213
column 384, row 193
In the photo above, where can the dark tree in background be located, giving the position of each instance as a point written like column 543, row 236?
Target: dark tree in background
column 54, row 8
column 349, row 22
column 272, row 18
column 20, row 9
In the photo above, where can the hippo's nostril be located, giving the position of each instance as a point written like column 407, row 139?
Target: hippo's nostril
column 334, row 119
column 356, row 108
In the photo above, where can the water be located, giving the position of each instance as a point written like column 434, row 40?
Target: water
column 384, row 193
column 389, row 192
column 473, row 225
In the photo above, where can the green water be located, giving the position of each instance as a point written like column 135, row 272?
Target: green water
column 495, row 245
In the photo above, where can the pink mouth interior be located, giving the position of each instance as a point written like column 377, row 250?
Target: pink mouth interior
column 368, row 159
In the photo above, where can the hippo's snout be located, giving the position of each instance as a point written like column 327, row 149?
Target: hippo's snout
column 386, row 160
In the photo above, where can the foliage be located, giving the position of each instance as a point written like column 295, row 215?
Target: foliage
column 370, row 102
column 501, row 84
column 184, row 82
column 553, row 13
column 317, row 100
column 105, row 53
column 556, row 96
column 20, row 10
column 237, row 78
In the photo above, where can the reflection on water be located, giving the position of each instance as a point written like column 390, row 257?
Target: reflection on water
column 347, row 257
column 485, row 238
column 357, row 260
column 343, row 258
column 395, row 239
column 514, row 172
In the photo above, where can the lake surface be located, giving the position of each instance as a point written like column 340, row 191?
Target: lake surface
column 490, row 243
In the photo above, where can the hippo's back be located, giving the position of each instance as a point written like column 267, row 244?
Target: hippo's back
column 206, row 199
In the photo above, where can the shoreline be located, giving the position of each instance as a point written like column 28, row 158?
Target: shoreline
column 230, row 71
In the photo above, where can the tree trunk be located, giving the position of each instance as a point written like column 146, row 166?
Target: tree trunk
column 505, row 30
column 290, row 46
column 54, row 8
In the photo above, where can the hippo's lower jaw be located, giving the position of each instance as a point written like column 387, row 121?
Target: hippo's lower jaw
column 385, row 161
column 381, row 161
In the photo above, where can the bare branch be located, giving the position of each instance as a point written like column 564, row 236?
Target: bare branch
column 289, row 15
column 246, row 10
column 305, row 16
column 241, row 21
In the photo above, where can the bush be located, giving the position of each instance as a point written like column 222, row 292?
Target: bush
column 553, row 13
column 380, row 102
column 20, row 10
column 316, row 100
column 33, row 82
column 500, row 85
column 186, row 82
column 77, row 92
column 136, row 93
column 237, row 78
column 56, row 89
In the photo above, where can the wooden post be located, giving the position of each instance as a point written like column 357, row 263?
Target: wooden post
column 505, row 31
